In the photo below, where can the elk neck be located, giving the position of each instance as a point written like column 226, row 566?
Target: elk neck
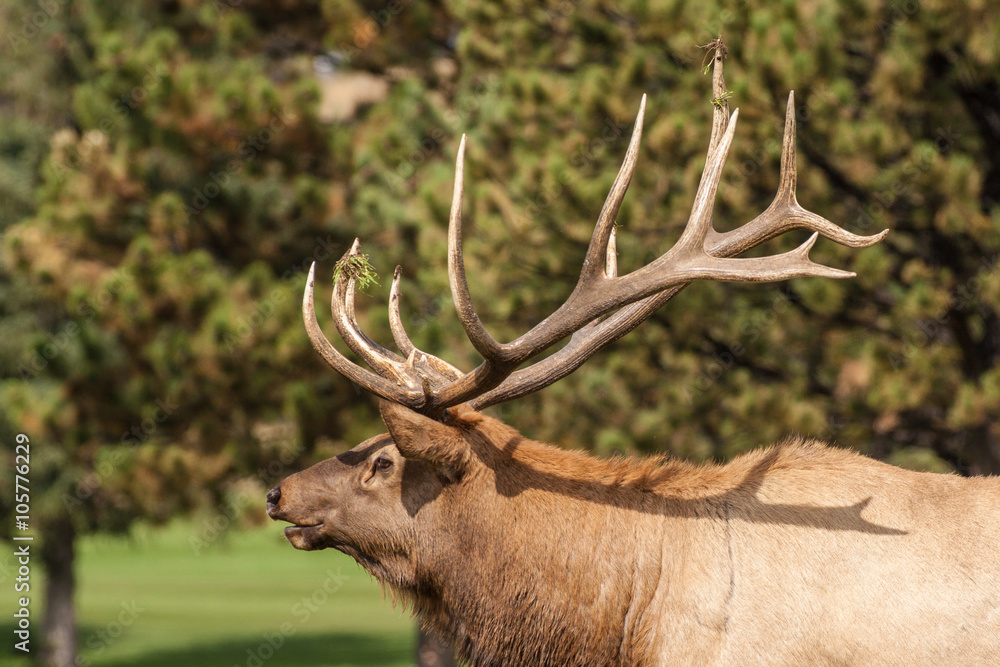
column 546, row 543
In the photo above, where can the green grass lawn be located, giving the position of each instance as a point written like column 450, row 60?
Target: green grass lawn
column 247, row 601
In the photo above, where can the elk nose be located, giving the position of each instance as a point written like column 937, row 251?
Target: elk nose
column 273, row 496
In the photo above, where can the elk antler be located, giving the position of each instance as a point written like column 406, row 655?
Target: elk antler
column 429, row 385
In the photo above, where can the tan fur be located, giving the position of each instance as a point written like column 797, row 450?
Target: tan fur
column 520, row 553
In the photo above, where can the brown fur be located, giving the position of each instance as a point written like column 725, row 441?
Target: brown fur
column 519, row 553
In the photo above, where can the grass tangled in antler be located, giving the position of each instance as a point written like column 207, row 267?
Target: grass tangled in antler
column 356, row 268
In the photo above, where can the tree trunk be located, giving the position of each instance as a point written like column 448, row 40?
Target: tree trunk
column 59, row 622
column 984, row 452
column 431, row 652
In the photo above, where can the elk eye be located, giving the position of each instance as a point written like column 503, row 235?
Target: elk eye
column 382, row 463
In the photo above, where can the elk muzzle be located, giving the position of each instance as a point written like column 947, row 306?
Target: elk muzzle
column 304, row 533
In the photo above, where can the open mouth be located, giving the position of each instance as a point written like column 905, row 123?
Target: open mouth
column 300, row 529
column 305, row 536
column 278, row 514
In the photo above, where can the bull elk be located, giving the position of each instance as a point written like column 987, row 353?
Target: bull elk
column 520, row 553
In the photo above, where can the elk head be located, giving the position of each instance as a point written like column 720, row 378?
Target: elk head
column 365, row 501
column 376, row 501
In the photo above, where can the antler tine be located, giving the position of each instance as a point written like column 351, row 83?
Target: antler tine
column 784, row 212
column 395, row 321
column 403, row 341
column 595, row 261
column 720, row 111
column 700, row 222
column 389, row 390
column 385, row 362
column 474, row 329
column 788, row 171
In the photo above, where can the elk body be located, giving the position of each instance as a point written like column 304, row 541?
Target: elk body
column 520, row 553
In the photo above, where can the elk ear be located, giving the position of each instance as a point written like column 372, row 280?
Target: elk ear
column 418, row 437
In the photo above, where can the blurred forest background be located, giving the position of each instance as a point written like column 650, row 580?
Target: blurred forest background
column 170, row 168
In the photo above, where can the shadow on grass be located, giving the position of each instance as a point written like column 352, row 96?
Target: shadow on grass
column 298, row 650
